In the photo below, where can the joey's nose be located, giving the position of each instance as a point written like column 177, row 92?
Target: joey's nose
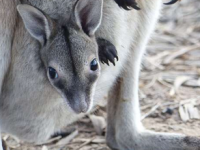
column 81, row 106
column 79, row 103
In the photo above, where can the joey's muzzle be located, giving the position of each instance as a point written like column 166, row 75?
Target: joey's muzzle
column 79, row 102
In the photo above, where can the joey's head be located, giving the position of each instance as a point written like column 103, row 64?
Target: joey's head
column 69, row 53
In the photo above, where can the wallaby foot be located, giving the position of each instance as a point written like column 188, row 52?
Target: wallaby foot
column 111, row 141
column 127, row 4
column 113, row 96
column 107, row 51
column 130, row 139
column 126, row 132
column 148, row 140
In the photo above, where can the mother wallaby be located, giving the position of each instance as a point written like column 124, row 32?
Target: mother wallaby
column 33, row 110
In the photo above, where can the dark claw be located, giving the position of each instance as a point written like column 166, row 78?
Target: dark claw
column 111, row 57
column 117, row 58
column 127, row 4
column 114, row 53
column 171, row 2
column 107, row 52
column 105, row 60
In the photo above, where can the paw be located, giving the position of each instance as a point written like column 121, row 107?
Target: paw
column 107, row 52
column 127, row 4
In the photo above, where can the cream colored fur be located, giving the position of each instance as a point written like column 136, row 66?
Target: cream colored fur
column 31, row 109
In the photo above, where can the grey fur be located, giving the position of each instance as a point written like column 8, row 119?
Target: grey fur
column 68, row 50
column 32, row 109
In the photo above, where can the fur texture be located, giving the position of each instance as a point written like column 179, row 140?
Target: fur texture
column 33, row 110
column 69, row 54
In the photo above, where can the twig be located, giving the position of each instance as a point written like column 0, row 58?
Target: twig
column 153, row 109
column 86, row 143
column 67, row 139
column 176, row 54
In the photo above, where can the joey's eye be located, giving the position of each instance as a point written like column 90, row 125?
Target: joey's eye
column 94, row 65
column 52, row 73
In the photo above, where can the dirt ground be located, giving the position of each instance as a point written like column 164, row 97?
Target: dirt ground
column 169, row 85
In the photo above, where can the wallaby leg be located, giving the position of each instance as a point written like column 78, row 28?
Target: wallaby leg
column 124, row 125
column 129, row 132
column 123, row 97
column 125, row 130
column 113, row 96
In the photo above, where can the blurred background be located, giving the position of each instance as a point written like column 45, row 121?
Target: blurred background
column 169, row 86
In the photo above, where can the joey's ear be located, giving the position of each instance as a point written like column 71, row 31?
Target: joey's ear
column 37, row 24
column 88, row 15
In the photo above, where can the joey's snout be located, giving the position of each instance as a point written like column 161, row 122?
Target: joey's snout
column 79, row 102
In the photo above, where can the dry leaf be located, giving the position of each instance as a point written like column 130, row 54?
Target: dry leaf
column 177, row 84
column 99, row 140
column 193, row 111
column 67, row 139
column 44, row 148
column 99, row 123
column 179, row 53
column 189, row 111
column 183, row 114
column 50, row 141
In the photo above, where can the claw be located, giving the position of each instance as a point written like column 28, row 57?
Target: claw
column 171, row 2
column 117, row 58
column 135, row 6
column 127, row 4
column 114, row 53
column 106, row 61
column 112, row 61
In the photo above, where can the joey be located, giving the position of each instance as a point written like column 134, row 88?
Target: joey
column 69, row 53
